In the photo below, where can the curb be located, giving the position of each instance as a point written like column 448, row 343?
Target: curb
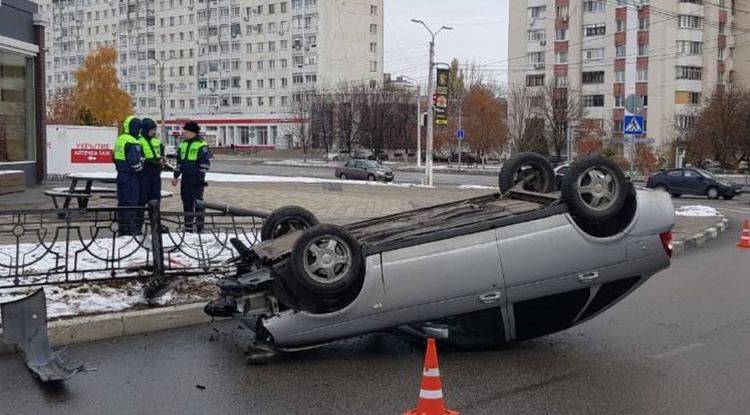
column 700, row 238
column 110, row 326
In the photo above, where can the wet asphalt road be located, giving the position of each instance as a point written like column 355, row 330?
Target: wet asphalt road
column 678, row 345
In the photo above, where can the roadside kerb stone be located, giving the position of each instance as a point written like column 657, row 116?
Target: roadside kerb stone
column 680, row 246
column 111, row 326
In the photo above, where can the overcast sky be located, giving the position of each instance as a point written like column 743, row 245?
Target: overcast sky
column 479, row 34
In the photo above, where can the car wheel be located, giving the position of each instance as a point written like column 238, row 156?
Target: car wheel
column 342, row 176
column 370, row 178
column 712, row 193
column 728, row 197
column 661, row 188
column 327, row 261
column 286, row 220
column 594, row 189
column 528, row 171
column 676, row 195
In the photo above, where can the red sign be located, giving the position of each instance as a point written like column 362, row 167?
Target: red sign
column 90, row 156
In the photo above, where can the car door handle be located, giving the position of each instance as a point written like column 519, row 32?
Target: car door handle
column 588, row 277
column 491, row 297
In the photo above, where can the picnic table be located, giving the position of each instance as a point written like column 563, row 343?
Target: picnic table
column 82, row 194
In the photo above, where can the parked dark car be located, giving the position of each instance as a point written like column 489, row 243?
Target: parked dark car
column 466, row 158
column 364, row 170
column 694, row 182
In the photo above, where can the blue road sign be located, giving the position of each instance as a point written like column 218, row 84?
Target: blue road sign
column 460, row 134
column 633, row 125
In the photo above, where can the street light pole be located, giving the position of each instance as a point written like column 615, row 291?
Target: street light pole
column 419, row 126
column 163, row 104
column 431, row 102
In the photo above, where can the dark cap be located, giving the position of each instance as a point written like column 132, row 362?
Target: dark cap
column 192, row 126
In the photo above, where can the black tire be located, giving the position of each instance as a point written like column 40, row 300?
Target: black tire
column 676, row 195
column 712, row 192
column 342, row 176
column 728, row 197
column 522, row 167
column 371, row 178
column 592, row 181
column 333, row 268
column 285, row 220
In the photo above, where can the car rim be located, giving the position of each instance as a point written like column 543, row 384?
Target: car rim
column 327, row 259
column 597, row 188
column 371, row 178
column 713, row 193
column 343, row 177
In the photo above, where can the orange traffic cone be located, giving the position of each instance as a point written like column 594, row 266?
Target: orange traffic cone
column 431, row 393
column 745, row 239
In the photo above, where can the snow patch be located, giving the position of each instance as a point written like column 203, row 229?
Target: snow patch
column 476, row 187
column 697, row 211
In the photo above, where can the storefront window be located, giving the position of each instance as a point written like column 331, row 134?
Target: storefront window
column 17, row 131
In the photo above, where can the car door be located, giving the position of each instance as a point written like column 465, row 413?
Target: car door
column 550, row 267
column 674, row 180
column 694, row 182
column 446, row 277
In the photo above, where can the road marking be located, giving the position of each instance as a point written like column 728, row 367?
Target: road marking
column 735, row 210
column 679, row 350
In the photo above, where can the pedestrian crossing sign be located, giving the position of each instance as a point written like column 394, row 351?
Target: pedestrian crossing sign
column 633, row 124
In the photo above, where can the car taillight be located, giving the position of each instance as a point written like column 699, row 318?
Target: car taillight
column 666, row 242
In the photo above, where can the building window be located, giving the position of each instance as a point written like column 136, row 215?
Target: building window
column 17, row 119
column 593, row 54
column 687, row 47
column 619, row 101
column 534, row 80
column 561, row 81
column 643, row 49
column 689, row 72
column 684, row 122
column 622, row 25
column 536, row 58
column 687, row 97
column 561, row 57
column 690, row 22
column 643, row 24
column 621, row 51
column 592, row 77
column 593, row 6
column 561, row 34
column 595, row 30
column 619, row 76
column 593, row 101
column 536, row 35
column 642, row 75
column 538, row 12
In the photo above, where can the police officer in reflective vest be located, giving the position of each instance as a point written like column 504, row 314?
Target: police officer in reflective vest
column 128, row 158
column 193, row 162
column 153, row 161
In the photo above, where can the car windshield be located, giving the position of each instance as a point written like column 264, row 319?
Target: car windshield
column 705, row 174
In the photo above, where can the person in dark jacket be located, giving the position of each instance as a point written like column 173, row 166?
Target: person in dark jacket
column 193, row 162
column 128, row 159
column 153, row 155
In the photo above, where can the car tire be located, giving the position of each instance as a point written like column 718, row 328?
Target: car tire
column 511, row 175
column 595, row 189
column 285, row 220
column 661, row 188
column 728, row 197
column 676, row 195
column 712, row 192
column 342, row 176
column 371, row 178
column 326, row 261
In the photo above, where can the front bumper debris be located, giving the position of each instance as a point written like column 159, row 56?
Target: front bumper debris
column 25, row 325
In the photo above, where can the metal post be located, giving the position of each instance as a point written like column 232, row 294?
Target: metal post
column 460, row 127
column 430, row 114
column 163, row 102
column 157, row 247
column 419, row 126
column 569, row 142
column 632, row 155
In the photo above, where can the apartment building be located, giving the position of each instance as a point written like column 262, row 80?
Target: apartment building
column 239, row 66
column 672, row 54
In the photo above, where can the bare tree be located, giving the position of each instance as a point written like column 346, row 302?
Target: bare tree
column 300, row 118
column 560, row 108
column 520, row 111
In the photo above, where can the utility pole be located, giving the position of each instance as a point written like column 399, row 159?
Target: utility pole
column 431, row 102
column 460, row 127
column 162, row 88
column 419, row 125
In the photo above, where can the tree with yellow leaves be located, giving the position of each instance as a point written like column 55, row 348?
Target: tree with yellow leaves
column 97, row 96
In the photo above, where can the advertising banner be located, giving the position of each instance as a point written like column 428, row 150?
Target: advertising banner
column 441, row 97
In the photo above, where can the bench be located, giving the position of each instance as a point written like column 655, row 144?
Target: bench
column 82, row 195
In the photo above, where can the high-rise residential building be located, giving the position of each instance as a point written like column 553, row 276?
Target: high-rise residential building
column 672, row 54
column 238, row 66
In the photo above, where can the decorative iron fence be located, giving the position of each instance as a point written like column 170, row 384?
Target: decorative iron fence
column 39, row 247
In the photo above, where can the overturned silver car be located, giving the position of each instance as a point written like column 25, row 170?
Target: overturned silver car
column 514, row 265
